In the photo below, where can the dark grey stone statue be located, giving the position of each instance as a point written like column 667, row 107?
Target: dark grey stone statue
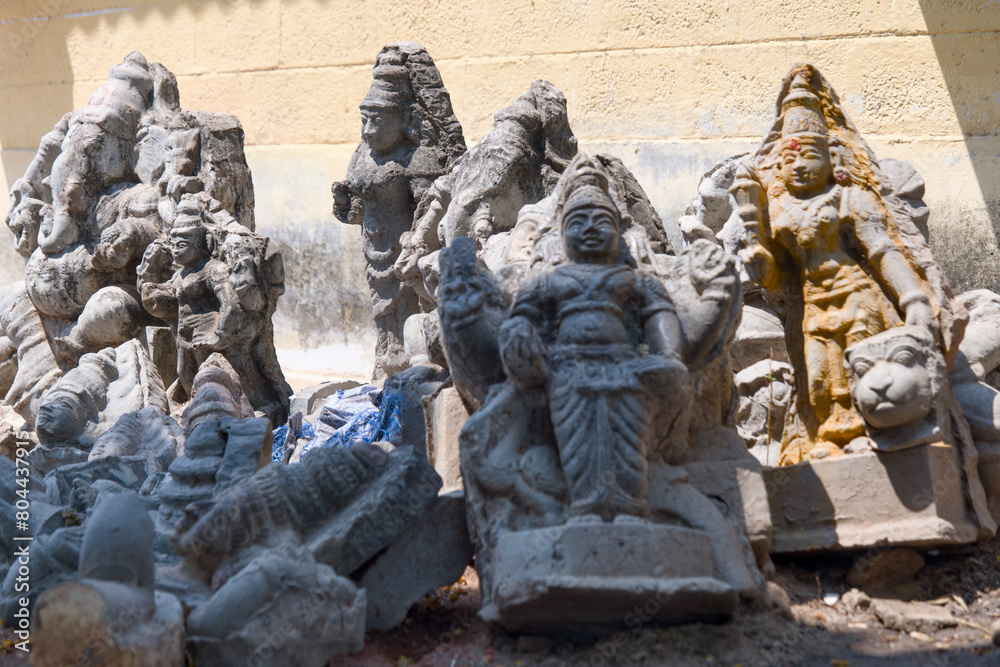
column 410, row 137
column 584, row 465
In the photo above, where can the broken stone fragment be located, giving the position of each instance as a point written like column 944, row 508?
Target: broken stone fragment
column 432, row 552
column 282, row 610
column 912, row 616
column 111, row 616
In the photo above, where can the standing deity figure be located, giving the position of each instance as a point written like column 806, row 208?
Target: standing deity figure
column 410, row 137
column 220, row 298
column 827, row 239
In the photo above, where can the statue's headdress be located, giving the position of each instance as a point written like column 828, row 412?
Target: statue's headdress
column 390, row 84
column 587, row 187
column 405, row 74
column 802, row 112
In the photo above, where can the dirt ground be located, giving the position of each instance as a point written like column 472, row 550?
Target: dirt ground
column 821, row 632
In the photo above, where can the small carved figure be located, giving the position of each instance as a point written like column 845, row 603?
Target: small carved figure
column 218, row 305
column 410, row 137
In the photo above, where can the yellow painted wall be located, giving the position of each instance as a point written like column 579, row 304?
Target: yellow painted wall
column 669, row 86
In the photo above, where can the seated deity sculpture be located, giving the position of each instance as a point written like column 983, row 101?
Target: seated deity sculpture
column 104, row 185
column 578, row 449
column 871, row 327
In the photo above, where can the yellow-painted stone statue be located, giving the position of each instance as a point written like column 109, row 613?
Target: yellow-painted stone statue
column 830, row 242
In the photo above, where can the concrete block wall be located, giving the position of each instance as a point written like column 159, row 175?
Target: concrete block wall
column 670, row 87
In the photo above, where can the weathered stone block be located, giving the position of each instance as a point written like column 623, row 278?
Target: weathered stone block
column 591, row 577
column 911, row 497
column 445, row 414
column 432, row 552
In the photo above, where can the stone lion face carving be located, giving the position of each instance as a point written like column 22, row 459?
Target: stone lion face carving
column 896, row 382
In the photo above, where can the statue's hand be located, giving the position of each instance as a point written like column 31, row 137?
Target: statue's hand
column 413, row 248
column 711, row 266
column 919, row 313
column 521, row 352
column 346, row 207
column 206, row 342
column 157, row 263
column 662, row 370
column 180, row 185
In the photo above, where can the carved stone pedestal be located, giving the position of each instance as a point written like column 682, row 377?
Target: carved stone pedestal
column 591, row 577
column 911, row 497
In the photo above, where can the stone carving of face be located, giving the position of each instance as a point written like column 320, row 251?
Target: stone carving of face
column 383, row 127
column 190, row 245
column 892, row 376
column 805, row 165
column 591, row 235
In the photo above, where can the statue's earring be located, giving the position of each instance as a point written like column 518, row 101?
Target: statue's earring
column 210, row 242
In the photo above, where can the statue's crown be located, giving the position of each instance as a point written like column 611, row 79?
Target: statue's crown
column 390, row 82
column 802, row 113
column 587, row 187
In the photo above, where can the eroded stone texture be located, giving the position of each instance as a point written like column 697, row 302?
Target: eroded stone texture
column 583, row 444
column 432, row 552
column 871, row 325
column 105, row 186
column 410, row 137
column 329, row 514
column 112, row 615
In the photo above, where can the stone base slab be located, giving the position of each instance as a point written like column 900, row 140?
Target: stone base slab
column 911, row 497
column 594, row 577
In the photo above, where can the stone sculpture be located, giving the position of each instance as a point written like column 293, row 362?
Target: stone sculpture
column 328, row 515
column 572, row 455
column 410, row 137
column 871, row 327
column 106, row 183
column 111, row 614
column 221, row 297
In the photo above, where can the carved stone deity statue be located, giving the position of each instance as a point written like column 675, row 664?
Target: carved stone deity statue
column 221, row 298
column 410, row 137
column 103, row 185
column 848, row 263
column 872, row 330
column 573, row 464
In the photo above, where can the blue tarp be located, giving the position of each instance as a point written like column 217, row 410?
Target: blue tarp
column 366, row 414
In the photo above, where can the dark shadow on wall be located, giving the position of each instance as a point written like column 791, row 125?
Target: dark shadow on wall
column 966, row 39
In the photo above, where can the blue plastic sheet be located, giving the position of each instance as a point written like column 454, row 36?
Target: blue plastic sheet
column 365, row 414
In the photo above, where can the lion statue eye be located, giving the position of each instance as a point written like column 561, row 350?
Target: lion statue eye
column 861, row 367
column 903, row 356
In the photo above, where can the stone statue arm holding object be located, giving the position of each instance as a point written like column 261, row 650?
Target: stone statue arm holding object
column 424, row 238
column 156, row 283
column 887, row 260
column 713, row 276
column 755, row 255
column 231, row 318
column 347, row 205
